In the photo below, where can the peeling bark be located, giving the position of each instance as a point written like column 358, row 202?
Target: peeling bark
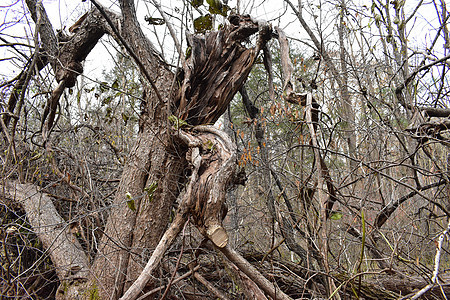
column 217, row 69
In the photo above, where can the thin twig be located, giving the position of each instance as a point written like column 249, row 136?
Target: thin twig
column 186, row 275
column 176, row 266
column 128, row 48
column 172, row 32
column 437, row 259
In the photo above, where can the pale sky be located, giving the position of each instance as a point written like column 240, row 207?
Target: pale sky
column 65, row 13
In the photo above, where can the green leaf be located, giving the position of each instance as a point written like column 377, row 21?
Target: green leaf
column 151, row 190
column 89, row 90
column 372, row 8
column 109, row 112
column 177, row 122
column 115, row 84
column 130, row 204
column 154, row 21
column 103, row 87
column 106, row 100
column 336, row 215
column 203, row 23
column 130, row 201
column 209, row 145
column 196, row 3
column 216, row 7
column 125, row 118
column 188, row 52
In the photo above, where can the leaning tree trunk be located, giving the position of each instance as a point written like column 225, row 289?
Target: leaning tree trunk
column 150, row 163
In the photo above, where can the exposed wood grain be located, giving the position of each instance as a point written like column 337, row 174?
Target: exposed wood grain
column 216, row 69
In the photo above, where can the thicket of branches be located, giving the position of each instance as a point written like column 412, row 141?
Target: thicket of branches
column 342, row 140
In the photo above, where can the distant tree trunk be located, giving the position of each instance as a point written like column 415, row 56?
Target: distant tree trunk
column 345, row 99
column 340, row 76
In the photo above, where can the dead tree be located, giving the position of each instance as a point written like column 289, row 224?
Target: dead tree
column 174, row 136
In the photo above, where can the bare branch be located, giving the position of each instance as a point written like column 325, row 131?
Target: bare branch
column 317, row 43
column 437, row 261
column 131, row 51
column 387, row 211
column 172, row 32
column 243, row 265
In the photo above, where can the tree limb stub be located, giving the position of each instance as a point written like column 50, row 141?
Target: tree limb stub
column 66, row 55
column 216, row 176
column 286, row 66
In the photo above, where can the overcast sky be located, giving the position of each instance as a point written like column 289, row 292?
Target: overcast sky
column 64, row 13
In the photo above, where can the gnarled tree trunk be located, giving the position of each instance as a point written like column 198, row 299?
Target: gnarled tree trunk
column 215, row 71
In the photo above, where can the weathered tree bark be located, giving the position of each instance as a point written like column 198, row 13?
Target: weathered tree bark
column 54, row 232
column 217, row 68
column 130, row 235
column 213, row 160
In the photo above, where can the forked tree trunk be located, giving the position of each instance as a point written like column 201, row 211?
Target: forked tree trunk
column 216, row 70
